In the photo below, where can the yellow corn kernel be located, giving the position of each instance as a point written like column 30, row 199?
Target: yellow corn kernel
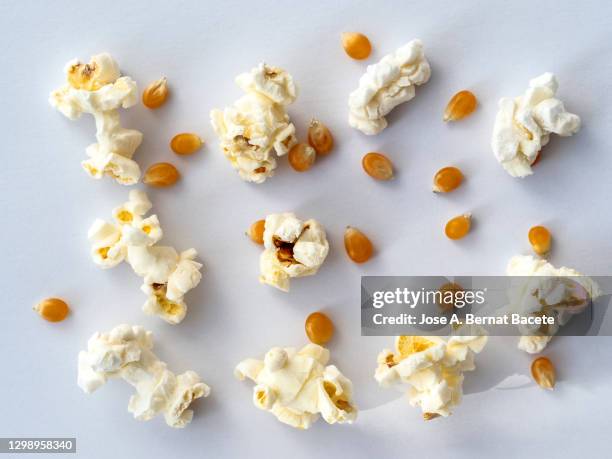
column 256, row 231
column 447, row 179
column 540, row 239
column 320, row 137
column 356, row 45
column 302, row 156
column 161, row 175
column 185, row 143
column 319, row 328
column 543, row 372
column 461, row 105
column 377, row 166
column 458, row 227
column 358, row 246
column 155, row 95
column 52, row 309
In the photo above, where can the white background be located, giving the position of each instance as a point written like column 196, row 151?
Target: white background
column 48, row 203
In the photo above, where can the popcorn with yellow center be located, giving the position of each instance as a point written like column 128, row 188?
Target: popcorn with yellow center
column 99, row 89
column 167, row 275
column 433, row 369
column 298, row 386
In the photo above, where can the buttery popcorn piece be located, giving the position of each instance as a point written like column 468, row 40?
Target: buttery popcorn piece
column 297, row 387
column 257, row 123
column 432, row 367
column 126, row 352
column 385, row 85
column 540, row 288
column 523, row 125
column 292, row 248
column 99, row 89
column 167, row 275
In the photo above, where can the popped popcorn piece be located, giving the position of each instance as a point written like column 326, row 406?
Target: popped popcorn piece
column 126, row 352
column 432, row 367
column 540, row 288
column 523, row 125
column 297, row 387
column 98, row 89
column 292, row 248
column 167, row 275
column 257, row 123
column 385, row 85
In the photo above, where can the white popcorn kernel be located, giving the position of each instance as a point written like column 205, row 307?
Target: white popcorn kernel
column 292, row 248
column 257, row 123
column 167, row 275
column 126, row 352
column 297, row 386
column 385, row 85
column 98, row 89
column 432, row 368
column 541, row 288
column 523, row 125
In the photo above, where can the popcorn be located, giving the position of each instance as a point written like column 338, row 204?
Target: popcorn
column 292, row 248
column 126, row 352
column 98, row 89
column 257, row 123
column 432, row 367
column 167, row 274
column 523, row 125
column 387, row 84
column 540, row 288
column 298, row 386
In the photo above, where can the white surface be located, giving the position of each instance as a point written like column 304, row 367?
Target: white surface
column 48, row 203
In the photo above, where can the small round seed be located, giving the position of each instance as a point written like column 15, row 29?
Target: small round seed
column 447, row 179
column 161, row 175
column 185, row 143
column 356, row 45
column 358, row 247
column 256, row 231
column 540, row 239
column 52, row 309
column 461, row 105
column 377, row 166
column 543, row 372
column 155, row 95
column 319, row 328
column 319, row 137
column 302, row 156
column 458, row 227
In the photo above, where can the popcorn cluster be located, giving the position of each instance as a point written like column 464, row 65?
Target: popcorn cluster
column 257, row 123
column 385, row 85
column 126, row 352
column 523, row 125
column 292, row 248
column 99, row 89
column 540, row 288
column 298, row 386
column 167, row 275
column 432, row 367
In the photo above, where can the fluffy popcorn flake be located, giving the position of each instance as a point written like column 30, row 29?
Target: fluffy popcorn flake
column 523, row 125
column 98, row 89
column 292, row 248
column 126, row 352
column 257, row 124
column 387, row 84
column 298, row 386
column 167, row 275
column 540, row 288
column 432, row 368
